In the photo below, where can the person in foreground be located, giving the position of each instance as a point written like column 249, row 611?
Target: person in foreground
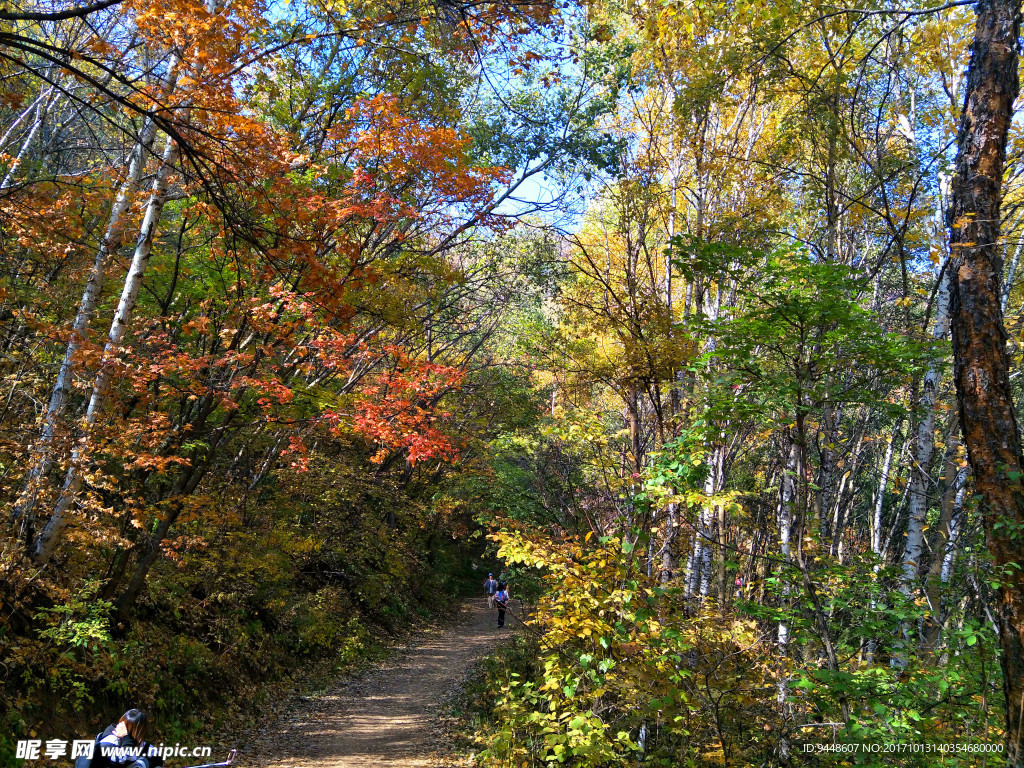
column 501, row 598
column 129, row 734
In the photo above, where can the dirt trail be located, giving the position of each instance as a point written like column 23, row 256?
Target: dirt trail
column 385, row 719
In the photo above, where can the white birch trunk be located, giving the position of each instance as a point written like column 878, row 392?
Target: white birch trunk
column 698, row 568
column 924, row 449
column 883, row 484
column 50, row 535
column 1011, row 273
column 696, row 559
column 691, row 559
column 876, row 522
column 42, row 108
column 668, row 559
column 707, row 521
column 18, row 120
column 701, row 575
column 956, row 520
column 787, row 494
column 111, row 242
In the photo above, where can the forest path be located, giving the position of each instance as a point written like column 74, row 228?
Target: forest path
column 386, row 717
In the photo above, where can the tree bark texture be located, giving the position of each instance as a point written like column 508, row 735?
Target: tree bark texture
column 981, row 363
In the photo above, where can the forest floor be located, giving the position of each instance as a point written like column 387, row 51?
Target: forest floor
column 389, row 716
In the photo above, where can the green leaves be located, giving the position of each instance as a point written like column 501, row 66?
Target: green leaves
column 799, row 339
column 81, row 622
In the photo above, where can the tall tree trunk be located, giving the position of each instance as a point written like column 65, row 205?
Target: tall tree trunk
column 924, row 448
column 698, row 578
column 111, row 242
column 1010, row 273
column 50, row 535
column 956, row 524
column 832, row 416
column 981, row 364
column 724, row 593
column 787, row 497
column 668, row 560
column 944, row 548
column 695, row 564
column 843, row 501
column 876, row 521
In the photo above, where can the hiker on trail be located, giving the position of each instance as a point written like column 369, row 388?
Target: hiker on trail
column 490, row 587
column 501, row 598
column 127, row 733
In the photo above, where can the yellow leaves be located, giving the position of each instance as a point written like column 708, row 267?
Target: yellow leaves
column 716, row 756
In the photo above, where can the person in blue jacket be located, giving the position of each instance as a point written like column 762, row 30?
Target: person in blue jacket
column 490, row 589
column 501, row 598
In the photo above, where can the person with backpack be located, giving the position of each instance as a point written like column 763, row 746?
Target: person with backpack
column 501, row 598
column 490, row 588
column 128, row 735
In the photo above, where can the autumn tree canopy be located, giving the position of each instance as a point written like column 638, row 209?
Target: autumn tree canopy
column 702, row 318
